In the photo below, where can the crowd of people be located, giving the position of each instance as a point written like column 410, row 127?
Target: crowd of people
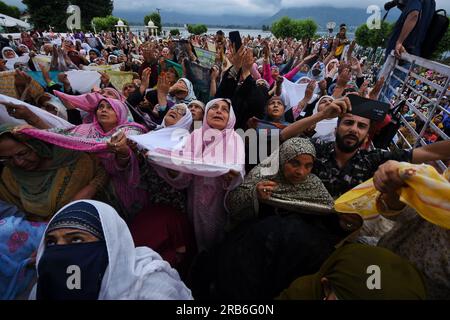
column 202, row 168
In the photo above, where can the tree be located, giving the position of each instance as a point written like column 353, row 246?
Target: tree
column 197, row 29
column 48, row 13
column 53, row 12
column 106, row 23
column 175, row 32
column 283, row 28
column 156, row 18
column 373, row 38
column 305, row 29
column 91, row 9
column 289, row 28
column 443, row 46
column 11, row 11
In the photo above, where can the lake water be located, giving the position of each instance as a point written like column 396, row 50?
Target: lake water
column 244, row 32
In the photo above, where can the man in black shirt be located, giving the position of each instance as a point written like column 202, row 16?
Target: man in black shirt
column 342, row 165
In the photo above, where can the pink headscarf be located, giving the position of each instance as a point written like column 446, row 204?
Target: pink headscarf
column 208, row 152
column 89, row 101
column 92, row 138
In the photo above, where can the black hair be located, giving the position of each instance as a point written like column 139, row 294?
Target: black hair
column 371, row 125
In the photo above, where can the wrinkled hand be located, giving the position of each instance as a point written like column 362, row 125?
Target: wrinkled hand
column 62, row 77
column 387, row 178
column 247, row 61
column 237, row 58
column 350, row 222
column 336, row 108
column 375, row 92
column 214, row 73
column 230, row 176
column 163, row 85
column 399, row 50
column 18, row 111
column 264, row 189
column 323, row 86
column 343, row 78
column 104, row 78
column 118, row 145
column 22, row 78
column 146, row 75
column 309, row 92
column 364, row 88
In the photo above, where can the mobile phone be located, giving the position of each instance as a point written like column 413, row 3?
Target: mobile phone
column 235, row 39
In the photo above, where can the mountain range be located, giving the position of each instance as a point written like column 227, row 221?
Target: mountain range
column 320, row 14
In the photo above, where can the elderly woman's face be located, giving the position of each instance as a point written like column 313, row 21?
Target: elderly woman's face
column 128, row 89
column 18, row 155
column 179, row 89
column 297, row 169
column 171, row 77
column 324, row 103
column 165, row 53
column 332, row 65
column 275, row 109
column 174, row 115
column 23, row 49
column 218, row 115
column 9, row 54
column 62, row 237
column 106, row 116
column 196, row 111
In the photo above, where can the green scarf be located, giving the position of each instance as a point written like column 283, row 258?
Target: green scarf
column 347, row 271
column 35, row 186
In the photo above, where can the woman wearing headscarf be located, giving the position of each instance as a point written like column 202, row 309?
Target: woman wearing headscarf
column 215, row 156
column 325, row 129
column 282, row 179
column 317, row 72
column 91, row 236
column 360, row 272
column 27, row 40
column 94, row 54
column 40, row 179
column 107, row 136
column 163, row 224
column 12, row 58
column 197, row 109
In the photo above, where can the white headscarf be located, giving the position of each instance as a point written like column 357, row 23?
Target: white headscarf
column 166, row 137
column 50, row 119
column 10, row 62
column 132, row 273
column 325, row 128
column 189, row 98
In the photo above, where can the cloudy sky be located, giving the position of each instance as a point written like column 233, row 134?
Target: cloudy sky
column 241, row 7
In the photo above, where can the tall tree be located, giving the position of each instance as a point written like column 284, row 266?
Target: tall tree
column 106, row 23
column 289, row 28
column 373, row 38
column 45, row 13
column 156, row 18
column 91, row 9
column 11, row 11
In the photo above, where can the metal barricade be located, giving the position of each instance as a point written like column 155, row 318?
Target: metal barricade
column 404, row 79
